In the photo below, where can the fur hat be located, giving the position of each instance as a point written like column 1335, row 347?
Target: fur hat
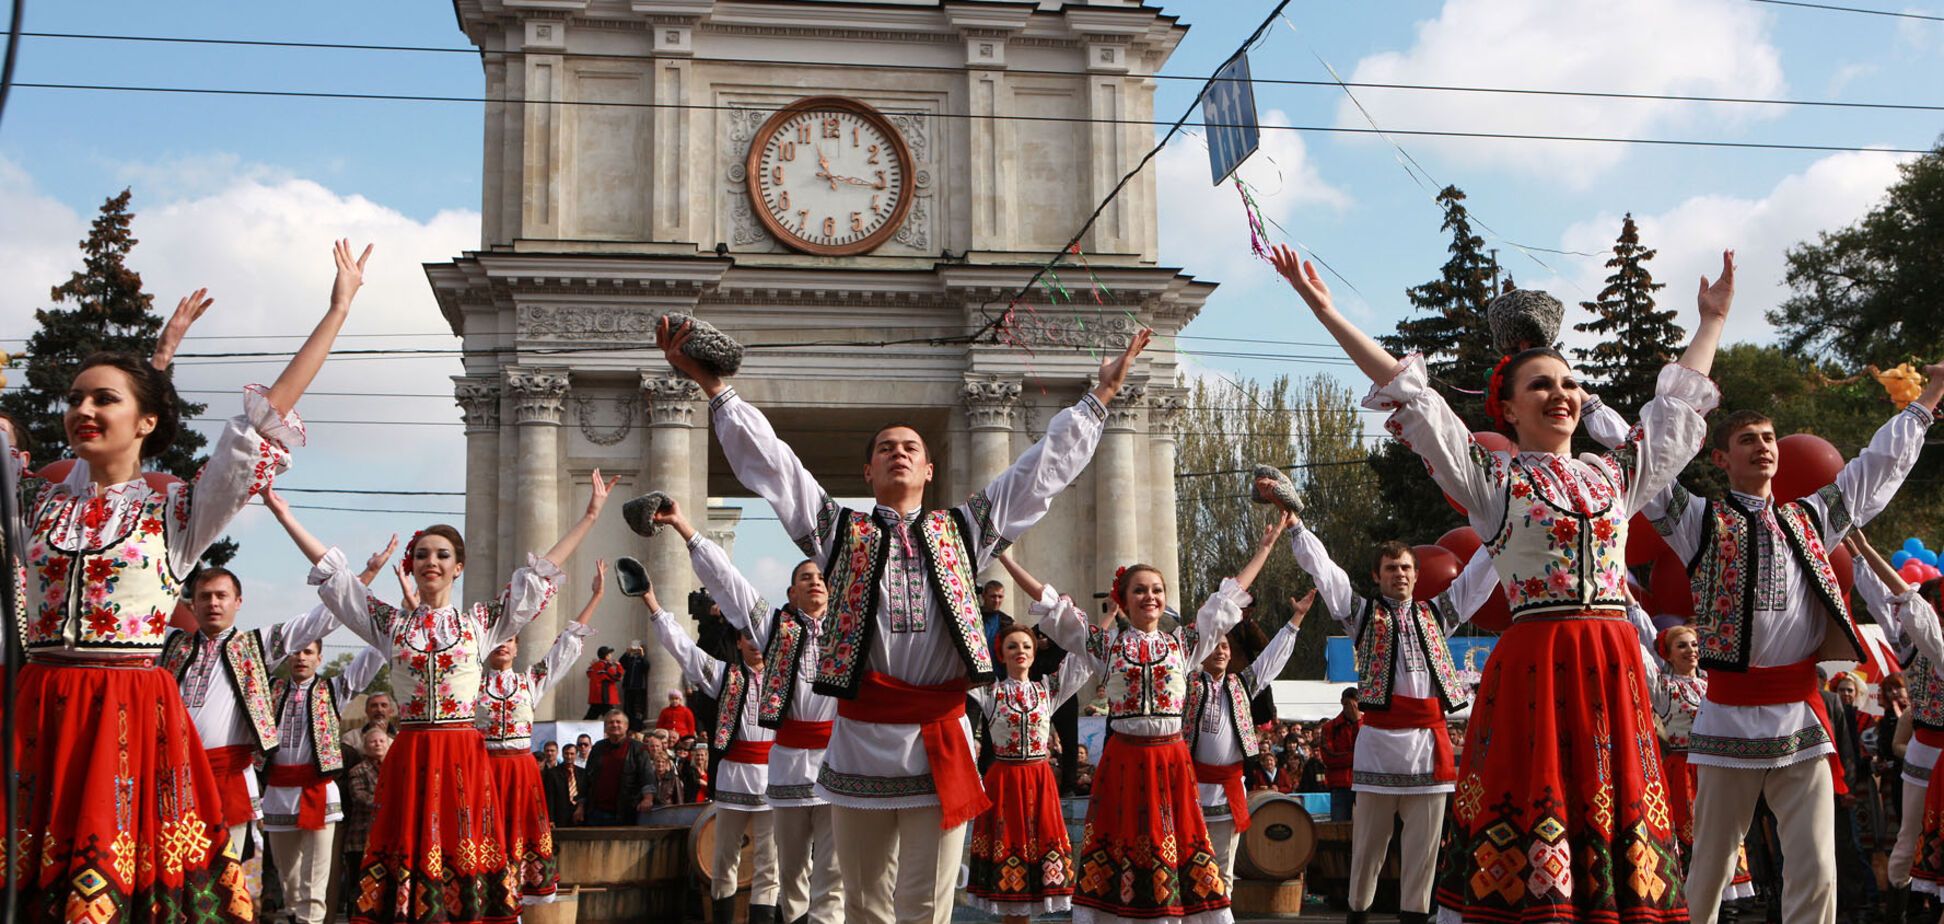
column 632, row 577
column 1282, row 491
column 707, row 345
column 640, row 512
column 1523, row 318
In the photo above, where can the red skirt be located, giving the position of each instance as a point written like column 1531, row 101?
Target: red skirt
column 120, row 817
column 1146, row 852
column 435, row 851
column 1022, row 861
column 1680, row 799
column 525, row 828
column 1561, row 811
column 1927, row 869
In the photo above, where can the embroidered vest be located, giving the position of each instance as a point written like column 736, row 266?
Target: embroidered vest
column 1377, row 655
column 1021, row 723
column 782, row 664
column 1146, row 674
column 1727, row 567
column 729, row 706
column 321, row 706
column 1237, row 689
column 109, row 593
column 1562, row 546
column 856, row 563
column 1926, row 692
column 504, row 714
column 243, row 661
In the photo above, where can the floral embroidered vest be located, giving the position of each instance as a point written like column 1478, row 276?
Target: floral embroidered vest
column 1377, row 655
column 1021, row 724
column 99, row 583
column 243, row 660
column 437, row 661
column 729, row 705
column 1562, row 547
column 1146, row 674
column 856, row 563
column 1926, row 693
column 1727, row 567
column 1676, row 703
column 782, row 664
column 323, row 728
column 504, row 713
column 1237, row 689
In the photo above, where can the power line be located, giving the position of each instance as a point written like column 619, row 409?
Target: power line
column 1852, row 9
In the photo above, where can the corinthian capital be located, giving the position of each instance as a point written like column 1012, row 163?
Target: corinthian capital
column 989, row 403
column 1166, row 410
column 1125, row 412
column 671, row 399
column 478, row 398
column 537, row 394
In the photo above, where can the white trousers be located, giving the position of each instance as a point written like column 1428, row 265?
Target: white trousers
column 1223, row 836
column 1803, row 798
column 1910, row 825
column 806, row 859
column 897, row 865
column 303, row 860
column 731, row 828
column 1417, row 851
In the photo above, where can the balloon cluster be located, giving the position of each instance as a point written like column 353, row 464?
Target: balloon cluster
column 1915, row 562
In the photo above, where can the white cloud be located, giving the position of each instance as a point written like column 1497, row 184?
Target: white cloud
column 1833, row 192
column 1205, row 228
column 1684, row 47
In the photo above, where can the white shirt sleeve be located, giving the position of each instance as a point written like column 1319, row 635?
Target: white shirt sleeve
column 1332, row 582
column 1920, row 623
column 1670, row 432
column 1022, row 494
column 295, row 635
column 353, row 604
column 766, row 465
column 1679, row 517
column 1867, row 483
column 1875, row 597
column 1065, row 623
column 738, row 599
column 1603, row 423
column 702, row 671
column 1075, row 670
column 522, row 599
column 252, row 450
column 1645, row 631
column 559, row 659
column 1218, row 614
column 1468, row 593
column 357, row 675
column 1268, row 665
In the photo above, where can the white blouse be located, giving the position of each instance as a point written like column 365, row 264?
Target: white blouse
column 504, row 713
column 1145, row 674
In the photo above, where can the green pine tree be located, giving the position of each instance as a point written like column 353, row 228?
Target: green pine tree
column 1635, row 339
column 106, row 311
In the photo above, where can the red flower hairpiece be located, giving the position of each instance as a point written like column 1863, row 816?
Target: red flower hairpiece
column 1114, row 593
column 1495, row 408
column 412, row 542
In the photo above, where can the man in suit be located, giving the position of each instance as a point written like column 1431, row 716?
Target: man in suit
column 565, row 784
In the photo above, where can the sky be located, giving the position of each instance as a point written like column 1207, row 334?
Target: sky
column 244, row 194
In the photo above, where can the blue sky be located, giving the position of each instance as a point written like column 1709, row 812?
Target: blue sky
column 243, row 194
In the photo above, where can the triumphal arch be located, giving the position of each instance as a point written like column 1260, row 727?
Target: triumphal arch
column 848, row 188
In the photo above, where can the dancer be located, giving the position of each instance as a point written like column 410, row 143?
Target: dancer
column 435, row 852
column 743, row 774
column 1916, row 617
column 1406, row 682
column 1768, row 608
column 805, row 842
column 1147, row 854
column 504, row 715
column 902, row 638
column 301, row 805
column 1560, row 812
column 117, row 805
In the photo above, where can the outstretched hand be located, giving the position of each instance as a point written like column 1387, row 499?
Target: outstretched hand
column 599, row 495
column 350, row 272
column 1300, row 607
column 1933, row 385
column 187, row 312
column 1281, row 524
column 1113, row 372
column 1715, row 298
column 407, row 590
column 376, row 562
column 671, row 339
column 1302, row 277
column 278, row 507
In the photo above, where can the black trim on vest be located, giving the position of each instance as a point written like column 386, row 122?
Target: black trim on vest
column 868, row 631
column 310, row 708
column 793, row 668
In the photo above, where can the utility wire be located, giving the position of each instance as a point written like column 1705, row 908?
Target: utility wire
column 1852, row 9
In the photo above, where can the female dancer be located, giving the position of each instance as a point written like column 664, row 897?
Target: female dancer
column 435, row 852
column 119, row 814
column 504, row 714
column 1147, row 855
column 1561, row 808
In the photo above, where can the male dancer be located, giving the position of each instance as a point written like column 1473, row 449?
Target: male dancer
column 302, row 806
column 1767, row 609
column 902, row 640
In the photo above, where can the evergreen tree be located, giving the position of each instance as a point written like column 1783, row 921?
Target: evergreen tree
column 1635, row 340
column 108, row 311
column 1453, row 337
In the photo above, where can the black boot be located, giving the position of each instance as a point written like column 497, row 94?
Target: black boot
column 1357, row 917
column 1414, row 917
column 1919, row 908
column 723, row 910
column 765, row 914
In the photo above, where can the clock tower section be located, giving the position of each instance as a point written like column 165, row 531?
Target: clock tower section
column 849, row 188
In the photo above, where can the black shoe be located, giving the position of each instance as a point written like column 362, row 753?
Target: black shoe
column 723, row 910
column 1357, row 917
column 1414, row 917
column 765, row 914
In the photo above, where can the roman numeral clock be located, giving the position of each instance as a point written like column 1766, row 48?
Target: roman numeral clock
column 830, row 176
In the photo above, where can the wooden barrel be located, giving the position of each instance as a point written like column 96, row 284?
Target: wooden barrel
column 635, row 873
column 1280, row 840
column 1268, row 899
column 702, row 847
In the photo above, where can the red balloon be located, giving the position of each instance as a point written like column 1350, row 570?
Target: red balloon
column 1668, row 587
column 1496, row 614
column 1492, row 442
column 1844, row 565
column 1436, row 569
column 1912, row 571
column 1644, row 543
column 1462, row 542
column 1805, row 463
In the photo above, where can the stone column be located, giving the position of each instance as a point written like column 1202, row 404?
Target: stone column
column 672, row 404
column 479, row 398
column 1165, row 411
column 537, row 398
column 989, row 404
column 1117, row 540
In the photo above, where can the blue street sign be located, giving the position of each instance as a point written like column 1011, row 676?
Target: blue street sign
column 1230, row 113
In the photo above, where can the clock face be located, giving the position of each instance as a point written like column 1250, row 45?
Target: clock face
column 831, row 176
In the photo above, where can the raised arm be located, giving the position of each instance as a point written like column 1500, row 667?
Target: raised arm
column 1268, row 665
column 702, row 671
column 1913, row 615
column 1223, row 608
column 567, row 647
column 1031, row 586
column 1074, row 672
column 1331, row 580
column 738, row 599
column 1867, row 483
column 1714, row 301
column 1370, row 356
column 308, row 544
column 1870, row 587
column 359, row 674
column 1604, row 424
column 597, row 498
column 1468, row 593
column 187, row 311
column 310, row 357
column 1270, row 533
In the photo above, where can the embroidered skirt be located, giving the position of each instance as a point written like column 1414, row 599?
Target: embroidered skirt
column 1680, row 800
column 1146, row 854
column 120, row 817
column 1927, row 869
column 1561, row 810
column 435, row 851
column 1022, row 861
column 525, row 827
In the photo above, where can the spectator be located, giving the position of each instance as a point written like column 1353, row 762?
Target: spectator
column 566, row 787
column 379, row 710
column 1339, row 747
column 668, row 781
column 695, row 774
column 1267, row 781
column 360, row 795
column 683, row 745
column 603, row 684
column 1082, row 771
column 584, row 745
column 676, row 716
column 992, row 596
column 1308, row 773
column 634, row 685
column 1895, row 694
column 549, row 755
column 618, row 774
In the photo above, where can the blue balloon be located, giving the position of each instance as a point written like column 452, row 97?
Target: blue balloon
column 1927, row 556
column 1913, row 545
column 1897, row 560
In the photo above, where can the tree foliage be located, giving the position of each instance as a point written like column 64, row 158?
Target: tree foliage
column 1635, row 339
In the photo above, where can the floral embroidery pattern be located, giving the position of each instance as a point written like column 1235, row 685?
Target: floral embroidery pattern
column 1022, row 719
column 1731, row 552
column 1562, row 546
column 1236, row 688
column 1379, row 645
column 1144, row 674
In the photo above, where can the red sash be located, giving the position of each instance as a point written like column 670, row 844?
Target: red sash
column 230, row 765
column 804, row 736
column 1773, row 686
column 311, row 805
column 1933, row 737
column 748, row 752
column 936, row 710
column 1408, row 712
column 1230, row 779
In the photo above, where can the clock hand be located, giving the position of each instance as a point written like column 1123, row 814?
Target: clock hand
column 823, row 164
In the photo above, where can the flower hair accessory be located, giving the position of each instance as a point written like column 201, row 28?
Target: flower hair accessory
column 1495, row 408
column 412, row 542
column 1114, row 593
